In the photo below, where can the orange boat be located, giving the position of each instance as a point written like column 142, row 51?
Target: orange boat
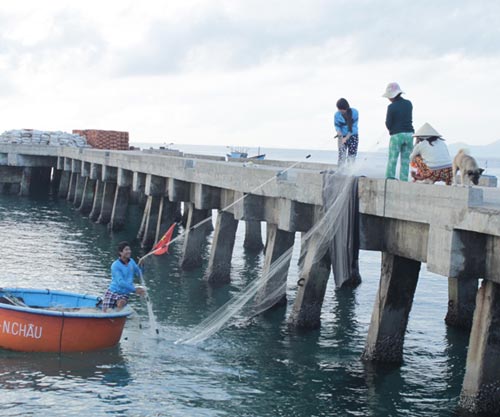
column 35, row 320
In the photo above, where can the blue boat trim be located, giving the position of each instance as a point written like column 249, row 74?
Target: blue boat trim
column 45, row 295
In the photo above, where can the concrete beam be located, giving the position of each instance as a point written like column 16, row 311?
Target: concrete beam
column 392, row 307
column 481, row 387
column 155, row 186
column 76, row 166
column 124, row 178
column 205, row 197
column 109, row 173
column 85, row 169
column 178, row 190
column 399, row 237
column 456, row 253
column 95, row 172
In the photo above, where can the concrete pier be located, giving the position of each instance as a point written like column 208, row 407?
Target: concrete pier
column 79, row 188
column 275, row 276
column 392, row 307
column 461, row 302
column 64, row 184
column 253, row 236
column 87, row 196
column 120, row 203
column 145, row 213
column 193, row 239
column 25, row 182
column 108, row 198
column 481, row 387
column 312, row 283
column 97, row 203
column 219, row 265
column 137, row 195
column 72, row 186
column 151, row 213
column 454, row 230
column 169, row 212
column 155, row 189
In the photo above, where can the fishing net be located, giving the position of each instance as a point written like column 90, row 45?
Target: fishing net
column 330, row 237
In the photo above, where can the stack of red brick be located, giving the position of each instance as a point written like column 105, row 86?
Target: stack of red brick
column 105, row 139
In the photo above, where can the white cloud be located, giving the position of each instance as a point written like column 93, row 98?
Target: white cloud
column 254, row 73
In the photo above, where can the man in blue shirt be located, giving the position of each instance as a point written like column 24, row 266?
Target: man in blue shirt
column 122, row 279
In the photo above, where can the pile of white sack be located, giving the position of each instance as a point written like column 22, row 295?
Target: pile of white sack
column 43, row 137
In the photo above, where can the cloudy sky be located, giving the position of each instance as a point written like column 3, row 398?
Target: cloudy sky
column 249, row 72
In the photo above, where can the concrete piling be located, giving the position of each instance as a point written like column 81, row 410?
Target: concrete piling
column 79, row 188
column 278, row 243
column 392, row 307
column 64, row 184
column 25, row 182
column 219, row 265
column 120, row 203
column 253, row 236
column 72, row 186
column 87, row 196
column 312, row 284
column 168, row 213
column 461, row 302
column 481, row 387
column 95, row 212
column 193, row 239
column 145, row 214
column 151, row 221
column 108, row 198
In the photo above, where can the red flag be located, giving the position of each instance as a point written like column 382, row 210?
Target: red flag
column 162, row 246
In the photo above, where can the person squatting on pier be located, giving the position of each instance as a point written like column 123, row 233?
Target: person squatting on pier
column 346, row 126
column 399, row 123
column 430, row 157
column 122, row 279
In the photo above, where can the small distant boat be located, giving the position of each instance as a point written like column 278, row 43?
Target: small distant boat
column 241, row 153
column 36, row 320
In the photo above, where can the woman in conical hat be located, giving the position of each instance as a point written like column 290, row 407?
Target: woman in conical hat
column 431, row 157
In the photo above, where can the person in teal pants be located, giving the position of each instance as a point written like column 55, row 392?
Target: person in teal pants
column 400, row 125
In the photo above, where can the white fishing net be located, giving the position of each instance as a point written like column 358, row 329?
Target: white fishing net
column 317, row 243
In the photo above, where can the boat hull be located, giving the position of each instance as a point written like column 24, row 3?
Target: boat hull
column 41, row 330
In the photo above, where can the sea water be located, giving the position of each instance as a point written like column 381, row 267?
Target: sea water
column 256, row 368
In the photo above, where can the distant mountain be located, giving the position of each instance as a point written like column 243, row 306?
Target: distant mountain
column 492, row 150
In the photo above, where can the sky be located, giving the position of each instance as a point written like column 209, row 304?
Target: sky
column 249, row 73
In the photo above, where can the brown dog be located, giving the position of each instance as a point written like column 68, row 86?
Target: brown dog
column 468, row 167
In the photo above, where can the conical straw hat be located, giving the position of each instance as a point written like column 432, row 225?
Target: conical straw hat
column 426, row 131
